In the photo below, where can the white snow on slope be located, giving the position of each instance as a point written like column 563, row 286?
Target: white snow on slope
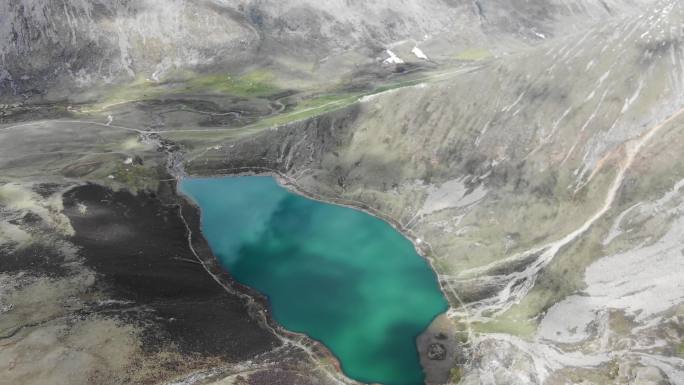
column 393, row 58
column 419, row 53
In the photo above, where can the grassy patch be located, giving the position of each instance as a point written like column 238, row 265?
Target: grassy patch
column 620, row 324
column 392, row 86
column 255, row 84
column 455, row 375
column 319, row 105
column 140, row 89
column 507, row 325
column 310, row 108
column 680, row 350
column 258, row 83
column 136, row 177
column 474, row 54
column 323, row 100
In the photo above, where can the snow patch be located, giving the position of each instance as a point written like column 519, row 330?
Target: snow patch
column 393, row 58
column 419, row 53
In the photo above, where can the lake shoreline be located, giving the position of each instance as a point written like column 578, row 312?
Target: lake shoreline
column 421, row 248
column 257, row 302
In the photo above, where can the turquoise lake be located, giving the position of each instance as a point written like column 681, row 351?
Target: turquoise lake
column 339, row 275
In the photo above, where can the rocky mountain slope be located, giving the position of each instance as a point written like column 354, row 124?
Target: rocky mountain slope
column 51, row 49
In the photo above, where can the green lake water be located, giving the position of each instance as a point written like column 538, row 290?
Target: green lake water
column 339, row 275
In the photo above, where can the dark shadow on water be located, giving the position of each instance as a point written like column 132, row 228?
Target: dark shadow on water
column 306, row 283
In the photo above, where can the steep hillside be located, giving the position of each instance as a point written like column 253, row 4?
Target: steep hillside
column 54, row 49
